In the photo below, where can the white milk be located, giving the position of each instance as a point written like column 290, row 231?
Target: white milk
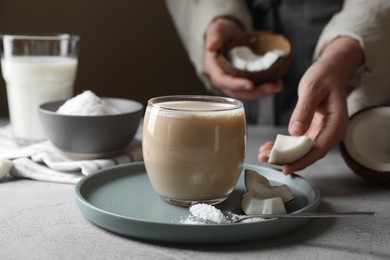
column 32, row 81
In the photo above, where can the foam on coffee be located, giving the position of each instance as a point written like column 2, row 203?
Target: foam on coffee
column 198, row 109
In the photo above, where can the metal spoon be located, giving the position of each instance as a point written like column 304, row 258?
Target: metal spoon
column 234, row 218
column 239, row 218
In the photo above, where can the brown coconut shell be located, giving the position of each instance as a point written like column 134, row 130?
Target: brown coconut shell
column 260, row 42
column 382, row 178
column 371, row 175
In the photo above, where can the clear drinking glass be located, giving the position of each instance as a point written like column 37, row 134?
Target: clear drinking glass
column 194, row 147
column 36, row 69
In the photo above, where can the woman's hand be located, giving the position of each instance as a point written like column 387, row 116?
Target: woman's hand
column 321, row 111
column 221, row 31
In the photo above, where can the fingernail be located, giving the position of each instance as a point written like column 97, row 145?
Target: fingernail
column 271, row 89
column 247, row 86
column 286, row 171
column 297, row 127
column 268, row 90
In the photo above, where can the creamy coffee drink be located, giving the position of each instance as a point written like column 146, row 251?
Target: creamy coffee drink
column 194, row 149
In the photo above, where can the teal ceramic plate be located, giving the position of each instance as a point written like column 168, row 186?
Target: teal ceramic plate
column 121, row 199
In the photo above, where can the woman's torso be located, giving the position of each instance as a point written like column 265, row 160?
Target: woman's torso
column 300, row 21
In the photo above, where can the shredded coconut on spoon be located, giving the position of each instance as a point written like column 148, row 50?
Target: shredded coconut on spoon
column 207, row 213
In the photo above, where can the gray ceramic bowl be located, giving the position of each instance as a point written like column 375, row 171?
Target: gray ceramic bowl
column 87, row 137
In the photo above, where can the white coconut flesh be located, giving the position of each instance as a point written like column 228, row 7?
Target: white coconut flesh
column 242, row 57
column 262, row 197
column 254, row 179
column 288, row 149
column 261, row 185
column 253, row 203
column 368, row 139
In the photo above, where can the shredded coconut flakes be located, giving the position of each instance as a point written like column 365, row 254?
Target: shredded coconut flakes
column 207, row 213
column 86, row 104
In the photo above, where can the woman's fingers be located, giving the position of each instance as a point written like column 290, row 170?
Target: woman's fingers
column 264, row 151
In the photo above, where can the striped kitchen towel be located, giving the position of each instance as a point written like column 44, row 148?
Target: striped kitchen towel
column 43, row 162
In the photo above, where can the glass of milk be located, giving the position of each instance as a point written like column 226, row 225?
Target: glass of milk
column 36, row 69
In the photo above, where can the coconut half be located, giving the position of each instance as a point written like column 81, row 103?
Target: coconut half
column 366, row 146
column 260, row 43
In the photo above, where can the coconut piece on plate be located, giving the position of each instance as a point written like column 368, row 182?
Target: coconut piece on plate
column 253, row 180
column 253, row 203
column 261, row 185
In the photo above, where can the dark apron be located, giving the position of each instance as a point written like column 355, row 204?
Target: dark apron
column 300, row 21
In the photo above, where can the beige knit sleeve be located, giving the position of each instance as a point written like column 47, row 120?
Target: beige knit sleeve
column 369, row 23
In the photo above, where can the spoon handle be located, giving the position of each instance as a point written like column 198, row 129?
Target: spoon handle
column 315, row 215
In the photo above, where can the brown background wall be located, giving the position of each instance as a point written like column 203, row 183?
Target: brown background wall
column 128, row 49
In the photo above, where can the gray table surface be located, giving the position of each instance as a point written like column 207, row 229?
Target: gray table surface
column 40, row 220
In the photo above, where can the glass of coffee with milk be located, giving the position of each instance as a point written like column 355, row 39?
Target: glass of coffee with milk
column 194, row 147
column 36, row 69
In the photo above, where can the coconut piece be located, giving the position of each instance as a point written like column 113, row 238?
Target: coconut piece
column 253, row 203
column 261, row 185
column 366, row 146
column 253, row 180
column 260, row 43
column 5, row 167
column 288, row 149
column 242, row 57
column 282, row 191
